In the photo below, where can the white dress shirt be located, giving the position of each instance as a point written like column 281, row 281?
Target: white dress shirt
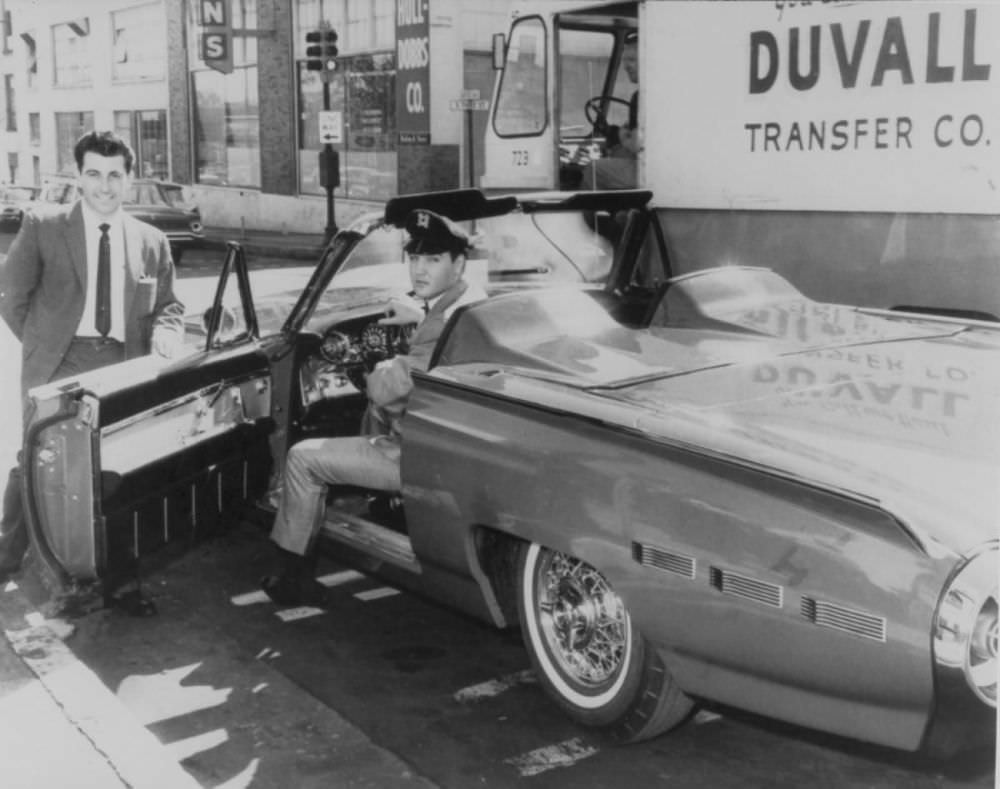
column 116, row 235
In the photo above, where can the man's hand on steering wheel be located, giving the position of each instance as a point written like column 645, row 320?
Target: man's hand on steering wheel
column 596, row 115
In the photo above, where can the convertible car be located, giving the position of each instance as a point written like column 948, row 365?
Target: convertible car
column 704, row 487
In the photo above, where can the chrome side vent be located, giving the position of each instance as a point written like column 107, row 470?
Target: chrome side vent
column 676, row 563
column 748, row 588
column 847, row 620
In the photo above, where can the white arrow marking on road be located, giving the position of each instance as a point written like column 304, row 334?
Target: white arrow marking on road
column 562, row 754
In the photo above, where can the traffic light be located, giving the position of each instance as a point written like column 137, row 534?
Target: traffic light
column 321, row 55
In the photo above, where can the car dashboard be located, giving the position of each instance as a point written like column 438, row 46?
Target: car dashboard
column 345, row 354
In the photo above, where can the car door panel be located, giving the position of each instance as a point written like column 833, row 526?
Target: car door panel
column 114, row 473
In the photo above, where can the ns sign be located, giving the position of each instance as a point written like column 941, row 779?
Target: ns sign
column 217, row 35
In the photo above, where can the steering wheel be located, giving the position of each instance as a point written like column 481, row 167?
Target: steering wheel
column 569, row 171
column 597, row 117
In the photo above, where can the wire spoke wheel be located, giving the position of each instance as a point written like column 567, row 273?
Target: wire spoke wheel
column 582, row 621
column 588, row 655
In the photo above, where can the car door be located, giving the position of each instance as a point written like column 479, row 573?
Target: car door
column 123, row 461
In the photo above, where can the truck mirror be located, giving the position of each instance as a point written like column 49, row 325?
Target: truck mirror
column 499, row 50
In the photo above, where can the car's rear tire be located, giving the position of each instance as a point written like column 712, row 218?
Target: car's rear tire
column 588, row 656
column 176, row 253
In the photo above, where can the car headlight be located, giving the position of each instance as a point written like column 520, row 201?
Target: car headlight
column 966, row 624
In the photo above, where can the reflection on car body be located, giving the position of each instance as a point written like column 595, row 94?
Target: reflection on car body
column 679, row 488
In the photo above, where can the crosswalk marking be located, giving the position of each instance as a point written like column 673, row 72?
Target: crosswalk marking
column 376, row 594
column 494, row 687
column 562, row 754
column 338, row 579
column 249, row 598
column 328, row 580
column 301, row 612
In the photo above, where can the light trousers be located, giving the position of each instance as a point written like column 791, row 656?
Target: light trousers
column 312, row 465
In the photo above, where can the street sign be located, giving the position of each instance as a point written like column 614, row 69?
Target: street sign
column 469, row 104
column 331, row 127
column 470, row 93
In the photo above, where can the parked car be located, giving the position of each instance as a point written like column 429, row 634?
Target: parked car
column 707, row 487
column 160, row 203
column 14, row 201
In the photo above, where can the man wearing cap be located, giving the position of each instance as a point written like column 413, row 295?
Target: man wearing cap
column 436, row 253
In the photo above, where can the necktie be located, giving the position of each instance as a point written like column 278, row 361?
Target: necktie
column 103, row 321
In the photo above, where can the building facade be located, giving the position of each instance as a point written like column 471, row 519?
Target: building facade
column 217, row 95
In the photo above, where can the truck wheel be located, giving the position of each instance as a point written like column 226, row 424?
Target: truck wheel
column 587, row 655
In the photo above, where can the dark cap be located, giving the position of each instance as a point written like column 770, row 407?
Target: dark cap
column 433, row 234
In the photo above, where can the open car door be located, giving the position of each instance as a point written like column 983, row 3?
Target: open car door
column 122, row 461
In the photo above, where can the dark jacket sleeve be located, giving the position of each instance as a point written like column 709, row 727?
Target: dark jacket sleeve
column 20, row 273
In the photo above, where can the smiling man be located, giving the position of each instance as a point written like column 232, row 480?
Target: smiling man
column 84, row 287
column 436, row 254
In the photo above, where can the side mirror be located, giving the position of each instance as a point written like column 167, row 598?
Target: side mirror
column 499, row 51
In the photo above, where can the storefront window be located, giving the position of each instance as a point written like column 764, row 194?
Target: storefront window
column 146, row 132
column 361, row 25
column 71, row 53
column 139, row 49
column 69, row 127
column 226, row 107
column 226, row 120
column 363, row 93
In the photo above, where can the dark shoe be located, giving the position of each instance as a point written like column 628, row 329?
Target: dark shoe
column 288, row 590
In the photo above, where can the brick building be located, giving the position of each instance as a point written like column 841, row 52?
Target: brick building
column 216, row 94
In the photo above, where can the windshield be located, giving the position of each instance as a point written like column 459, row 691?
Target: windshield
column 508, row 251
column 145, row 194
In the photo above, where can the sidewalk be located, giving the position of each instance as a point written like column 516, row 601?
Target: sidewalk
column 268, row 243
column 59, row 724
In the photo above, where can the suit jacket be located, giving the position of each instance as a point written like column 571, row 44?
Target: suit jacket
column 43, row 286
column 389, row 384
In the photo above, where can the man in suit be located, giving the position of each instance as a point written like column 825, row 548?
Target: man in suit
column 81, row 288
column 436, row 253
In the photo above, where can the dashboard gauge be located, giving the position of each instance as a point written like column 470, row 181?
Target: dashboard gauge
column 336, row 347
column 375, row 339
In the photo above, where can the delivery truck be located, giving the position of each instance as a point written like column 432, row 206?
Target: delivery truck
column 852, row 147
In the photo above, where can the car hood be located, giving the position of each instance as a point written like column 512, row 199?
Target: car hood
column 906, row 414
column 162, row 216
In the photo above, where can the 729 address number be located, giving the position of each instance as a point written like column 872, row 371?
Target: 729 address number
column 519, row 158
